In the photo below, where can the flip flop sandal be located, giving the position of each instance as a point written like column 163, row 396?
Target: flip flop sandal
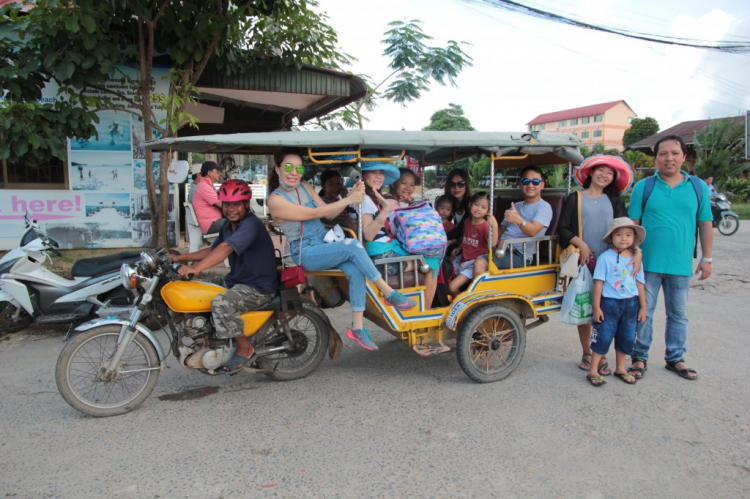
column 638, row 372
column 604, row 369
column 584, row 361
column 683, row 373
column 237, row 363
column 627, row 378
column 596, row 381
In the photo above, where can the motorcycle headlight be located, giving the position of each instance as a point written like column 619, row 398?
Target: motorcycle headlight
column 127, row 275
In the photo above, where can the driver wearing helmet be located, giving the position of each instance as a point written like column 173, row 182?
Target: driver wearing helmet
column 252, row 280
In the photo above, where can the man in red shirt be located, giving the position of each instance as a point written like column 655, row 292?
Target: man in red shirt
column 205, row 200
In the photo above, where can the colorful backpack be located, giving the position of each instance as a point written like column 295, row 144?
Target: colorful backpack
column 420, row 230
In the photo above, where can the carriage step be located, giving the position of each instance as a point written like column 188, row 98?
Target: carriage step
column 428, row 349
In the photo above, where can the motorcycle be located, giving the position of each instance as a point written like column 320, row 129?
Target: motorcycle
column 33, row 293
column 113, row 366
column 725, row 219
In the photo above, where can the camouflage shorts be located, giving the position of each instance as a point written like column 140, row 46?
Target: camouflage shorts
column 227, row 307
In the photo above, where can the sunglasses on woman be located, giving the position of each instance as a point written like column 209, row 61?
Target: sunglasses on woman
column 289, row 168
column 533, row 181
column 460, row 183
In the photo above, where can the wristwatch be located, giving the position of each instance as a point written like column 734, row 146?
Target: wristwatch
column 707, row 260
column 522, row 224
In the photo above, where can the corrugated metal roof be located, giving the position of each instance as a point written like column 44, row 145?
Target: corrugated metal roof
column 435, row 147
column 576, row 113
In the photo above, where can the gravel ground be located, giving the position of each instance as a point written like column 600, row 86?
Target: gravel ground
column 392, row 424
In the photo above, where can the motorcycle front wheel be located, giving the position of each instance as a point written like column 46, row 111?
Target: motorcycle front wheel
column 729, row 225
column 85, row 357
column 310, row 335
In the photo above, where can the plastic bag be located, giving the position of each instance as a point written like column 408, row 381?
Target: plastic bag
column 578, row 301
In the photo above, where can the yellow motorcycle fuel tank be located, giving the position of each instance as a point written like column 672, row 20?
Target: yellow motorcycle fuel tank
column 188, row 297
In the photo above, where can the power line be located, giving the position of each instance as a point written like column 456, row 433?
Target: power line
column 732, row 47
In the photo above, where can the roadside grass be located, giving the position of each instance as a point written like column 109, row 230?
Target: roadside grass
column 742, row 210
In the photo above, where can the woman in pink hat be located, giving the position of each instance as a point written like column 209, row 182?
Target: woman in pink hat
column 604, row 179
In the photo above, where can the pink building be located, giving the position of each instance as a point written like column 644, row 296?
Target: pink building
column 605, row 123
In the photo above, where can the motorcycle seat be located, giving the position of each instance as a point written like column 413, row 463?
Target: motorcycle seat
column 90, row 267
column 272, row 304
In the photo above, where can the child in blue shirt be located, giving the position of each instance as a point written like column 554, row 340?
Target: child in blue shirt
column 619, row 299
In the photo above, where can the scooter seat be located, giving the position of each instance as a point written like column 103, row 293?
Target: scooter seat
column 272, row 304
column 90, row 267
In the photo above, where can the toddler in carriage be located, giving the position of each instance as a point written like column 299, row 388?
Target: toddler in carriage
column 474, row 243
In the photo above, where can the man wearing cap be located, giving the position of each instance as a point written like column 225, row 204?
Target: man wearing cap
column 669, row 217
column 529, row 218
column 205, row 200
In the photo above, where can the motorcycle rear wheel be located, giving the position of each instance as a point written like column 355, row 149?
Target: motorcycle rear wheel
column 729, row 225
column 78, row 367
column 8, row 325
column 311, row 334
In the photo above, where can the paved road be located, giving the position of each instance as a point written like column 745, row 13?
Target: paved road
column 391, row 424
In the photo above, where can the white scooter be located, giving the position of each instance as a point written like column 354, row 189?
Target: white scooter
column 30, row 292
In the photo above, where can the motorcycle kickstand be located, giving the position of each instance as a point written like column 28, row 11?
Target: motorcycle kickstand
column 68, row 335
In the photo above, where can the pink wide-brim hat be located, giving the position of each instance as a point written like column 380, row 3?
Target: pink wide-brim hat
column 624, row 173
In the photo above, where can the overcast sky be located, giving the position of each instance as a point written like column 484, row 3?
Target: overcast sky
column 524, row 67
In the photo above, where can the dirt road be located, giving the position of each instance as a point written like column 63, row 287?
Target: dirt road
column 392, row 424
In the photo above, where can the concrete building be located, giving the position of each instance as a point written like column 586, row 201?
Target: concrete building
column 605, row 123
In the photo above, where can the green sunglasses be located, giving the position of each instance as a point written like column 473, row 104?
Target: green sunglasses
column 289, row 168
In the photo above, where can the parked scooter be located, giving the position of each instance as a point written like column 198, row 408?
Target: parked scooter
column 113, row 365
column 725, row 219
column 30, row 292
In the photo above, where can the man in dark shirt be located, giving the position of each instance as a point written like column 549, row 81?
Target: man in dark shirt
column 252, row 280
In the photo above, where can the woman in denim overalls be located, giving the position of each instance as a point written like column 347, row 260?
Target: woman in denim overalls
column 297, row 209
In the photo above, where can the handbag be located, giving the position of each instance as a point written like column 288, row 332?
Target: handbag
column 569, row 256
column 578, row 302
column 293, row 276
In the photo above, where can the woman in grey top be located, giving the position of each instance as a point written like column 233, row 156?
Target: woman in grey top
column 604, row 179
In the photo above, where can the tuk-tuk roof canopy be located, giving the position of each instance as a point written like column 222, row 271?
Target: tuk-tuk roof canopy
column 430, row 147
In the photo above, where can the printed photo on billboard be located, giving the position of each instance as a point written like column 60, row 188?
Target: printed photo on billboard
column 100, row 171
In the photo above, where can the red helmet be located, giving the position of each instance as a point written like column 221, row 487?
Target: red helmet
column 235, row 190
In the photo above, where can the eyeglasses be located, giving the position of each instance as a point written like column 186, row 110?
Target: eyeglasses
column 533, row 181
column 289, row 168
column 460, row 183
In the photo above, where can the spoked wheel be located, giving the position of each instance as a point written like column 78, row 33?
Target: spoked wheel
column 491, row 343
column 13, row 319
column 82, row 364
column 310, row 342
column 729, row 225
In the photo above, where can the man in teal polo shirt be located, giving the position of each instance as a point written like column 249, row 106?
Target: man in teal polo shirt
column 669, row 218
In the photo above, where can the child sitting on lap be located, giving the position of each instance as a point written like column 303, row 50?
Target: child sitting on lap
column 619, row 299
column 475, row 242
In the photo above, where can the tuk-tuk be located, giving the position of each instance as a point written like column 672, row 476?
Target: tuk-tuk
column 489, row 320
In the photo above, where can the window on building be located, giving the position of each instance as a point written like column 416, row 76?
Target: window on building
column 597, row 133
column 585, row 120
column 574, row 121
column 598, row 118
column 585, row 134
column 562, row 123
column 630, row 120
column 541, row 127
column 22, row 176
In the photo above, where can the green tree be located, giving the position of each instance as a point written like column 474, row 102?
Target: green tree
column 415, row 66
column 638, row 160
column 79, row 44
column 478, row 168
column 640, row 128
column 451, row 118
column 719, row 149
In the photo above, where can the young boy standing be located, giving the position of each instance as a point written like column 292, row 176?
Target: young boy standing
column 619, row 299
